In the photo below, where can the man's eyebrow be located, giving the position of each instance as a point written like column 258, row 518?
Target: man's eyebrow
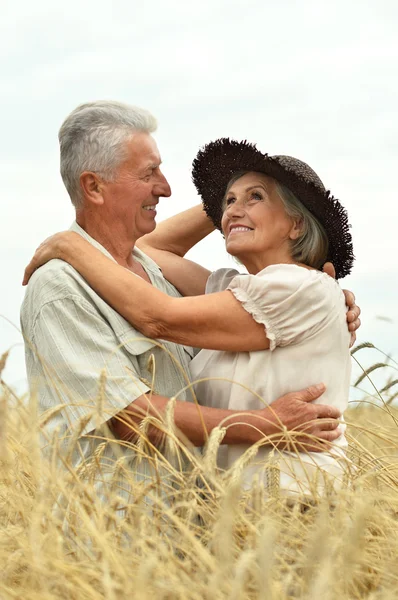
column 153, row 165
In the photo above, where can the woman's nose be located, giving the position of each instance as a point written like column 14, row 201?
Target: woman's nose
column 236, row 209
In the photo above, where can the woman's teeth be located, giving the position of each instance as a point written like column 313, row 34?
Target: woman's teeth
column 235, row 229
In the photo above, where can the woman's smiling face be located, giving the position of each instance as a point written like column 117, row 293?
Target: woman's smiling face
column 255, row 224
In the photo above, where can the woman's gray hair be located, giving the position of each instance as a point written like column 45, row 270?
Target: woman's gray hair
column 311, row 247
column 93, row 138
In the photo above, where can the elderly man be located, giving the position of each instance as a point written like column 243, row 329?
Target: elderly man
column 110, row 166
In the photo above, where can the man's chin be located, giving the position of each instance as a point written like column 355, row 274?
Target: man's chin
column 149, row 227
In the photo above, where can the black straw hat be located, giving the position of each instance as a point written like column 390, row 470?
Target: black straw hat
column 215, row 164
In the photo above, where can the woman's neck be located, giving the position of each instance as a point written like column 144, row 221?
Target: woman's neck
column 255, row 263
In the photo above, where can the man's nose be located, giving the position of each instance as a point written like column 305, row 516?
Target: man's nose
column 162, row 187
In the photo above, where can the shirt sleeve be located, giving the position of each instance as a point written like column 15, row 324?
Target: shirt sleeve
column 219, row 280
column 85, row 368
column 290, row 301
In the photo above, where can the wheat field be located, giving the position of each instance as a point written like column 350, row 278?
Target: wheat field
column 205, row 539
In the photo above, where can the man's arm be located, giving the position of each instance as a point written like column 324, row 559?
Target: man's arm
column 293, row 413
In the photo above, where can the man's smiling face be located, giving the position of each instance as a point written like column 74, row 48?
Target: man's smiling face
column 131, row 198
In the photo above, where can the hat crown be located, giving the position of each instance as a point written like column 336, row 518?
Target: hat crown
column 301, row 169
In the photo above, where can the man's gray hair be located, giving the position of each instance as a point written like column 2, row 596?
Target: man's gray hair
column 93, row 138
column 311, row 247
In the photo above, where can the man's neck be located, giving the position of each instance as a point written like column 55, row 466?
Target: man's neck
column 111, row 237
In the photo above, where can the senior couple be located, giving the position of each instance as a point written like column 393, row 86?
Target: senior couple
column 114, row 295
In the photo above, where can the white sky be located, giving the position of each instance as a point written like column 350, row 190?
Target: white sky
column 313, row 79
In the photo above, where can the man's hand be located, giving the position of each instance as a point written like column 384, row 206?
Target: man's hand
column 303, row 421
column 353, row 312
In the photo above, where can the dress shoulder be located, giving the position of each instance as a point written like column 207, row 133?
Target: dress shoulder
column 291, row 302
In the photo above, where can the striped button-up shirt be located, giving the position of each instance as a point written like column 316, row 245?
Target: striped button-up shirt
column 86, row 363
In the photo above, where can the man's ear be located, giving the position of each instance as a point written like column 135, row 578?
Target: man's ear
column 91, row 186
column 329, row 269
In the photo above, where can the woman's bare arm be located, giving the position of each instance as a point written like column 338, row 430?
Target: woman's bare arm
column 171, row 240
column 216, row 321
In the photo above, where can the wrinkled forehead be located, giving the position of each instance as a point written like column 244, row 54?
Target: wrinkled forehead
column 142, row 148
column 242, row 180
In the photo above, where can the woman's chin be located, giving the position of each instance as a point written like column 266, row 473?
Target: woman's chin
column 231, row 250
column 236, row 247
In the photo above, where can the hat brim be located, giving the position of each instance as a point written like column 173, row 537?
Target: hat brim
column 217, row 162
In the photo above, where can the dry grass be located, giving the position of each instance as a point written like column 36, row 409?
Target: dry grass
column 211, row 540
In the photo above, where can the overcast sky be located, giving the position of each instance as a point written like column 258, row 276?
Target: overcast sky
column 313, row 79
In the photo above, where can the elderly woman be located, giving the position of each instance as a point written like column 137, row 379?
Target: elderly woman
column 282, row 225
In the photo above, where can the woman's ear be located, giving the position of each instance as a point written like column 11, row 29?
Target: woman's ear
column 296, row 230
column 91, row 186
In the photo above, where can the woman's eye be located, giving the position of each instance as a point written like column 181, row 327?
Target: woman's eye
column 229, row 201
column 257, row 196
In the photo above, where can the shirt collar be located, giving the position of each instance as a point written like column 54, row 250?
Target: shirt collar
column 146, row 262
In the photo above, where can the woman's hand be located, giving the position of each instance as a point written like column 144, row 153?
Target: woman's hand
column 353, row 320
column 53, row 247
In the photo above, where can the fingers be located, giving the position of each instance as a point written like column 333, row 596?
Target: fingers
column 328, row 424
column 30, row 269
column 353, row 339
column 322, row 443
column 311, row 393
column 353, row 320
column 326, row 433
column 329, row 436
column 354, row 325
column 325, row 411
column 50, row 248
column 349, row 298
column 353, row 313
